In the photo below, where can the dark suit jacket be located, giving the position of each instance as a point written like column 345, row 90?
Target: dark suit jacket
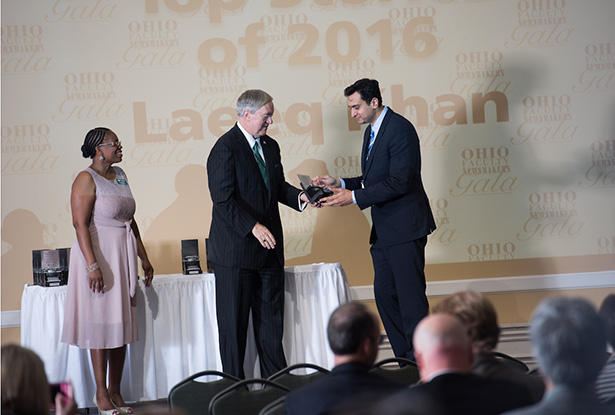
column 391, row 183
column 344, row 385
column 240, row 199
column 457, row 394
column 563, row 400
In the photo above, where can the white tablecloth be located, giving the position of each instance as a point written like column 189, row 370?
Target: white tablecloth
column 178, row 332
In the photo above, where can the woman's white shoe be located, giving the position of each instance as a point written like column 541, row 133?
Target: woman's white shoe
column 114, row 411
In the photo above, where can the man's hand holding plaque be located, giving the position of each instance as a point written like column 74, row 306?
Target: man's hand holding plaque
column 313, row 190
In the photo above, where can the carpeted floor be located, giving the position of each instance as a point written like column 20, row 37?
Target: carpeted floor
column 158, row 407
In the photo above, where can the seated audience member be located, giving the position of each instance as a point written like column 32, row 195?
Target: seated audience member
column 568, row 340
column 25, row 390
column 353, row 334
column 605, row 384
column 478, row 315
column 443, row 353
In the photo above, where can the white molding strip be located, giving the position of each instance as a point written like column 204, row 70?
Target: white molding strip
column 514, row 341
column 11, row 319
column 499, row 285
column 504, row 285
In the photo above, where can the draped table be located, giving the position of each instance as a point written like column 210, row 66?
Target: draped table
column 178, row 331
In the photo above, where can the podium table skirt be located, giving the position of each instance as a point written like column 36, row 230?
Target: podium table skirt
column 178, row 332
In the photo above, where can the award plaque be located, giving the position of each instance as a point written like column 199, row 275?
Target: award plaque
column 314, row 193
column 50, row 267
column 191, row 263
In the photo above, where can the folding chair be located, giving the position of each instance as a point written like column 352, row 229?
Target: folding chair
column 193, row 397
column 274, row 408
column 240, row 400
column 403, row 370
column 295, row 380
column 511, row 361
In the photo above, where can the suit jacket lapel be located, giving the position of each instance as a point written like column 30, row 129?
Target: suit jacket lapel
column 244, row 147
column 379, row 138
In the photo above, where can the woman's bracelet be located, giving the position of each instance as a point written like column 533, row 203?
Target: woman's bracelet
column 92, row 267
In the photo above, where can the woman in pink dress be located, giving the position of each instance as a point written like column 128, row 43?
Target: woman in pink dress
column 100, row 312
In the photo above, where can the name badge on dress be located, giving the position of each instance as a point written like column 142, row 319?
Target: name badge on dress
column 121, row 181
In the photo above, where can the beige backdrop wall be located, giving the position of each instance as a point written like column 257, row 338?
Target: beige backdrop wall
column 513, row 101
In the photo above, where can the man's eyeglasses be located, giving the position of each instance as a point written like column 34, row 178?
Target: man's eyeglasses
column 113, row 143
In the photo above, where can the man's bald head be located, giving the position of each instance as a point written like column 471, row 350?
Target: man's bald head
column 441, row 343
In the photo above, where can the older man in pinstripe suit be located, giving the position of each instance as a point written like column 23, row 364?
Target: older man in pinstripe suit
column 246, row 183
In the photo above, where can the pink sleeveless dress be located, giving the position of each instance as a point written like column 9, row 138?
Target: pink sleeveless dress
column 105, row 320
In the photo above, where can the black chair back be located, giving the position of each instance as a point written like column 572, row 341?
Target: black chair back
column 534, row 372
column 509, row 360
column 274, row 408
column 240, row 399
column 193, row 397
column 294, row 381
column 397, row 368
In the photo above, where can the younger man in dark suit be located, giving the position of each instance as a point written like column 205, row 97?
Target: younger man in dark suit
column 391, row 185
column 246, row 183
column 353, row 336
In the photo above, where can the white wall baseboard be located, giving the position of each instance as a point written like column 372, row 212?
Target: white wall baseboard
column 11, row 319
column 503, row 285
column 514, row 341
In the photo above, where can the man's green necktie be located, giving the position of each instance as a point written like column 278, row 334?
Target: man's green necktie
column 261, row 162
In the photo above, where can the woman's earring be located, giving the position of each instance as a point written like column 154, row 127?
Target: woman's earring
column 101, row 158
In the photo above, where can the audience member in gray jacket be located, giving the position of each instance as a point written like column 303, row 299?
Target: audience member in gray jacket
column 569, row 342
